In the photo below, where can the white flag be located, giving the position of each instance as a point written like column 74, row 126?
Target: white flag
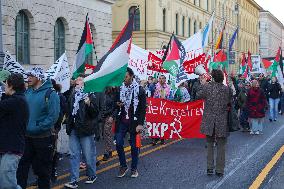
column 193, row 45
column 206, row 31
column 11, row 65
column 60, row 72
column 138, row 61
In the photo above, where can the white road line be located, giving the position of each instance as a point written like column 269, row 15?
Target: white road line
column 227, row 176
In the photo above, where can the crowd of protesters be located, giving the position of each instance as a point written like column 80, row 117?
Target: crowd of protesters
column 119, row 112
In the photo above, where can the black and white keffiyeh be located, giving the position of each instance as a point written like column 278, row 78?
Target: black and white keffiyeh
column 79, row 95
column 126, row 93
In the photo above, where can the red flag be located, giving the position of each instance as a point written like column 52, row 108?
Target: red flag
column 277, row 58
column 243, row 59
column 249, row 61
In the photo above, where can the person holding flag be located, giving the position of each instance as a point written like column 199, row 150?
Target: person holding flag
column 131, row 105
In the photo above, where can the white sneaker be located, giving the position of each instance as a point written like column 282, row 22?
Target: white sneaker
column 257, row 132
column 252, row 133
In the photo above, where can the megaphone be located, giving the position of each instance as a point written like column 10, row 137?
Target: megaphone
column 200, row 70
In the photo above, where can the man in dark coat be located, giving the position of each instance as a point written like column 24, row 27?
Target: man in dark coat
column 14, row 116
column 130, row 118
column 214, row 124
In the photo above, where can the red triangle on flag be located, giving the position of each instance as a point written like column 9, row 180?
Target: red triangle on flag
column 174, row 52
column 220, row 56
column 266, row 63
column 277, row 58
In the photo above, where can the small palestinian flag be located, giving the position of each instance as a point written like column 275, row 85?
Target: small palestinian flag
column 84, row 52
column 175, row 55
column 219, row 61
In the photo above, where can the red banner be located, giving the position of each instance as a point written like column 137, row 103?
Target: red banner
column 173, row 120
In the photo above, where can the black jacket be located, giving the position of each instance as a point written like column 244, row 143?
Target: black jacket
column 140, row 112
column 110, row 106
column 84, row 121
column 14, row 117
column 274, row 90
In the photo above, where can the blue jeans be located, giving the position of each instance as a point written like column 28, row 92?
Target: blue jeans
column 87, row 146
column 120, row 135
column 8, row 171
column 273, row 108
column 256, row 124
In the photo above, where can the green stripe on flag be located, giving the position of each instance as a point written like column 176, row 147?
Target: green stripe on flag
column 171, row 67
column 113, row 79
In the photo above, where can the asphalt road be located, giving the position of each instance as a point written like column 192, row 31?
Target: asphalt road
column 182, row 164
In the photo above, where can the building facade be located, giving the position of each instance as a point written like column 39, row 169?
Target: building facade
column 270, row 32
column 37, row 32
column 186, row 17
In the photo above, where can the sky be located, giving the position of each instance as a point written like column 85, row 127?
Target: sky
column 276, row 7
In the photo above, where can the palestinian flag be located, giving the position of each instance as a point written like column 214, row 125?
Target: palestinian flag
column 219, row 61
column 219, row 43
column 243, row 64
column 175, row 55
column 111, row 69
column 84, row 52
column 273, row 66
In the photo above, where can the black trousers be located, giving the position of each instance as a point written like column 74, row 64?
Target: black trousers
column 38, row 153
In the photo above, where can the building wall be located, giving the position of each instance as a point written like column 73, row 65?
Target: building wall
column 197, row 10
column 42, row 17
column 270, row 34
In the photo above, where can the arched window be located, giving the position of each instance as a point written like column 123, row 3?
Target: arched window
column 59, row 39
column 22, row 38
column 164, row 20
column 183, row 20
column 136, row 24
column 194, row 26
column 176, row 24
column 189, row 27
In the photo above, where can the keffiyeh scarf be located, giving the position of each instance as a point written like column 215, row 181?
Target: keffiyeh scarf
column 79, row 95
column 126, row 93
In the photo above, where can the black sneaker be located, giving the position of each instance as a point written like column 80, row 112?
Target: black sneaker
column 134, row 173
column 71, row 185
column 122, row 172
column 91, row 180
column 210, row 172
column 163, row 141
column 270, row 120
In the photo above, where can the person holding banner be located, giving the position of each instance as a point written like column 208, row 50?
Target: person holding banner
column 131, row 103
column 214, row 124
column 162, row 90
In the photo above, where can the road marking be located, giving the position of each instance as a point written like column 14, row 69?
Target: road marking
column 246, row 159
column 129, row 159
column 260, row 178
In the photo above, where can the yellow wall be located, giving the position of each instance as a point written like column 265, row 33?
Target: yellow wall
column 248, row 20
